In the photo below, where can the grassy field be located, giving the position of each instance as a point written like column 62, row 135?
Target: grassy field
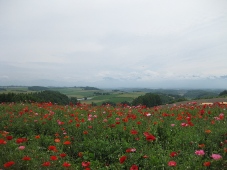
column 80, row 93
column 115, row 96
column 16, row 90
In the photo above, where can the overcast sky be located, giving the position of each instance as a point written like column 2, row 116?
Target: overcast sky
column 114, row 43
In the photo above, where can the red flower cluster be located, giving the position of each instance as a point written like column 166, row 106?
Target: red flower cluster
column 2, row 141
column 21, row 140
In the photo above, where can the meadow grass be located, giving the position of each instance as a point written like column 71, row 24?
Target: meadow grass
column 47, row 136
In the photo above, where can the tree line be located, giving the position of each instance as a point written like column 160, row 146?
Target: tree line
column 151, row 100
column 43, row 96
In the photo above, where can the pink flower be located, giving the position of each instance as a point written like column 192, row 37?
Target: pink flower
column 217, row 118
column 85, row 164
column 172, row 125
column 21, row 147
column 131, row 150
column 172, row 163
column 216, row 156
column 184, row 124
column 148, row 114
column 200, row 152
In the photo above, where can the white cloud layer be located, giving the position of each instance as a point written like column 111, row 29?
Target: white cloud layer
column 148, row 43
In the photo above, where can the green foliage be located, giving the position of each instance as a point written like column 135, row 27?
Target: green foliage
column 51, row 96
column 43, row 96
column 99, row 93
column 148, row 99
column 73, row 100
column 170, row 98
column 89, row 88
column 223, row 93
column 199, row 94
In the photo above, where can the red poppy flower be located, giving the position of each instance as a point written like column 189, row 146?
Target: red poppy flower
column 46, row 164
column 9, row 164
column 37, row 136
column 134, row 132
column 67, row 142
column 125, row 119
column 66, row 164
column 2, row 141
column 85, row 164
column 85, row 132
column 9, row 137
column 57, row 140
column 150, row 138
column 63, row 155
column 26, row 158
column 173, row 154
column 130, row 150
column 145, row 156
column 53, row 158
column 80, row 154
column 122, row 159
column 21, row 140
column 134, row 167
column 172, row 163
column 52, row 148
column 206, row 164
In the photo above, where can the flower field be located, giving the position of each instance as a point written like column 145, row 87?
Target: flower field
column 83, row 137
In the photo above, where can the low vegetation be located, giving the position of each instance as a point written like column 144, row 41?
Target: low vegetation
column 223, row 93
column 84, row 137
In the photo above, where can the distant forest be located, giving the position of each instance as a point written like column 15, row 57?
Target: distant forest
column 43, row 96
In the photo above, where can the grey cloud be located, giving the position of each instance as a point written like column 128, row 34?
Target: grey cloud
column 122, row 42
